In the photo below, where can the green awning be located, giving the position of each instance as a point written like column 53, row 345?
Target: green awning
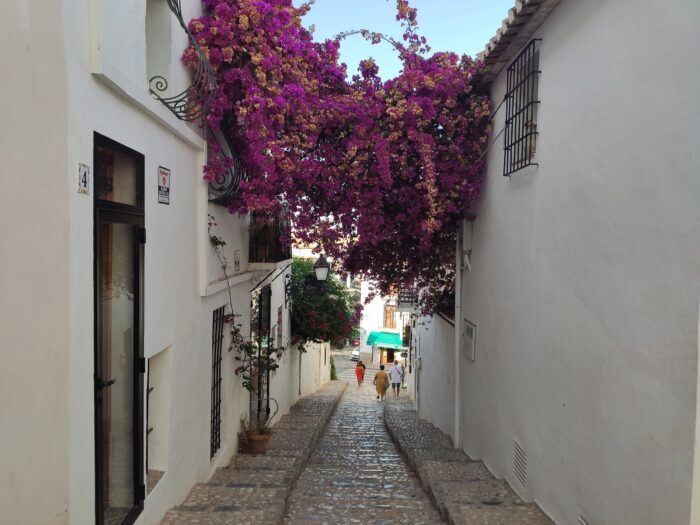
column 385, row 340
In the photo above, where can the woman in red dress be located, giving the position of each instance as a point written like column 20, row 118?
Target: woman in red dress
column 360, row 372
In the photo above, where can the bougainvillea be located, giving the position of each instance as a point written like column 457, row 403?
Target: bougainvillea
column 379, row 172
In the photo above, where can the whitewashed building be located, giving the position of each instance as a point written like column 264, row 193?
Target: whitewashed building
column 381, row 327
column 573, row 372
column 113, row 356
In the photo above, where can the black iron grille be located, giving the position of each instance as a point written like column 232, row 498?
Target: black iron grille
column 521, row 109
column 266, row 242
column 217, row 341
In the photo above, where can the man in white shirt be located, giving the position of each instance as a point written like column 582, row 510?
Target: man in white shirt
column 395, row 375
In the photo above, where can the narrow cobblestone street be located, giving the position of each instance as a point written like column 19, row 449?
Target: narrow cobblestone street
column 356, row 474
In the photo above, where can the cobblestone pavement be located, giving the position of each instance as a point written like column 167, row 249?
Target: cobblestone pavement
column 253, row 490
column 324, row 467
column 356, row 474
column 465, row 491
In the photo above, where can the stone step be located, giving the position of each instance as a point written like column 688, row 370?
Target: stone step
column 232, row 477
column 487, row 492
column 204, row 496
column 362, row 510
column 265, row 462
column 465, row 491
column 253, row 490
column 518, row 514
column 435, row 470
column 221, row 517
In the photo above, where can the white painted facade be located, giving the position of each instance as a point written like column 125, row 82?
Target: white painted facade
column 585, row 277
column 432, row 381
column 78, row 68
column 373, row 319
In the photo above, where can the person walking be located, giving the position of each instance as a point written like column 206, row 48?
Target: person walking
column 396, row 375
column 381, row 382
column 360, row 372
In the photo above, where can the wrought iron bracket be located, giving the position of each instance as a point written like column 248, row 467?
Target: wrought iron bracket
column 194, row 101
column 226, row 186
column 287, row 289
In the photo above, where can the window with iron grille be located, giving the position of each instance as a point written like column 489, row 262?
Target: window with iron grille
column 267, row 243
column 521, row 109
column 217, row 343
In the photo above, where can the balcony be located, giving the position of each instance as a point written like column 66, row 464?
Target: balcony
column 266, row 246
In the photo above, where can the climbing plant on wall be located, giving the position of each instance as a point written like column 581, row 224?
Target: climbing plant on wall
column 379, row 172
column 320, row 312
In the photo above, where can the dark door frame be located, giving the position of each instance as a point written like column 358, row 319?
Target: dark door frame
column 112, row 212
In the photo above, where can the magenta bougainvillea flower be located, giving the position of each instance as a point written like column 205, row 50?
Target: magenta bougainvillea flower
column 379, row 172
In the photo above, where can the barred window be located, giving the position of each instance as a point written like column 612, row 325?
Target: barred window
column 217, row 340
column 521, row 109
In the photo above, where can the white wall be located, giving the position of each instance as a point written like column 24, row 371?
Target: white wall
column 585, row 278
column 108, row 94
column 34, row 273
column 74, row 76
column 434, row 340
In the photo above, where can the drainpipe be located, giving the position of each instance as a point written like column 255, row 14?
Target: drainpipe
column 458, row 333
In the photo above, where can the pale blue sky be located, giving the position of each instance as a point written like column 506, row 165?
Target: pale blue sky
column 462, row 26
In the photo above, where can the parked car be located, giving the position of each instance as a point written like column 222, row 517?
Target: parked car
column 355, row 355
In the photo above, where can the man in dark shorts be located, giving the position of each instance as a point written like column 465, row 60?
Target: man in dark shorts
column 395, row 376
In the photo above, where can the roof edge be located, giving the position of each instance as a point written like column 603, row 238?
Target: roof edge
column 523, row 19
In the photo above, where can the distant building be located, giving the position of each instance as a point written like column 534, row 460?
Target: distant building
column 381, row 328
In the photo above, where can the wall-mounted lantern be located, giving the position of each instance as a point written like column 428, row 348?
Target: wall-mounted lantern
column 321, row 268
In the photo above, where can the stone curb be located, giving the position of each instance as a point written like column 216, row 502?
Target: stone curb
column 465, row 492
column 254, row 489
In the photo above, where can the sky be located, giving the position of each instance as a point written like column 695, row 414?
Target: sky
column 462, row 26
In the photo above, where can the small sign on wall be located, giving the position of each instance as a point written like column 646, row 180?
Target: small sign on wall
column 163, row 185
column 83, row 178
column 236, row 260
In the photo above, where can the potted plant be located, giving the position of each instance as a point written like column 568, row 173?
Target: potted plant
column 253, row 363
column 254, row 436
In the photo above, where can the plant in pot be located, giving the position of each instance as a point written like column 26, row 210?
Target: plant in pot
column 254, row 437
column 255, row 362
column 256, row 357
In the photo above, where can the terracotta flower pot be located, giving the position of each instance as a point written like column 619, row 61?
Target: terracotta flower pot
column 257, row 443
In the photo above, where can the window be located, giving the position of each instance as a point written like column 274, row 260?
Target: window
column 217, row 340
column 267, row 240
column 118, row 175
column 521, row 110
column 389, row 319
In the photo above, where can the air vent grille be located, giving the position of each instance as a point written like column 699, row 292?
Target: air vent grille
column 520, row 463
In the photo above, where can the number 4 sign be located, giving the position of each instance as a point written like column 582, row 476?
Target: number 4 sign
column 83, row 178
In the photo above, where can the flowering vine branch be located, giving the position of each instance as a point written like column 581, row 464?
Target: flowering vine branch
column 380, row 173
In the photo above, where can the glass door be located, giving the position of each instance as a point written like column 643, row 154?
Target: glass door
column 119, row 366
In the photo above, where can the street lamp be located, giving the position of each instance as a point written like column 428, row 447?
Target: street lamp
column 321, row 267
column 313, row 283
